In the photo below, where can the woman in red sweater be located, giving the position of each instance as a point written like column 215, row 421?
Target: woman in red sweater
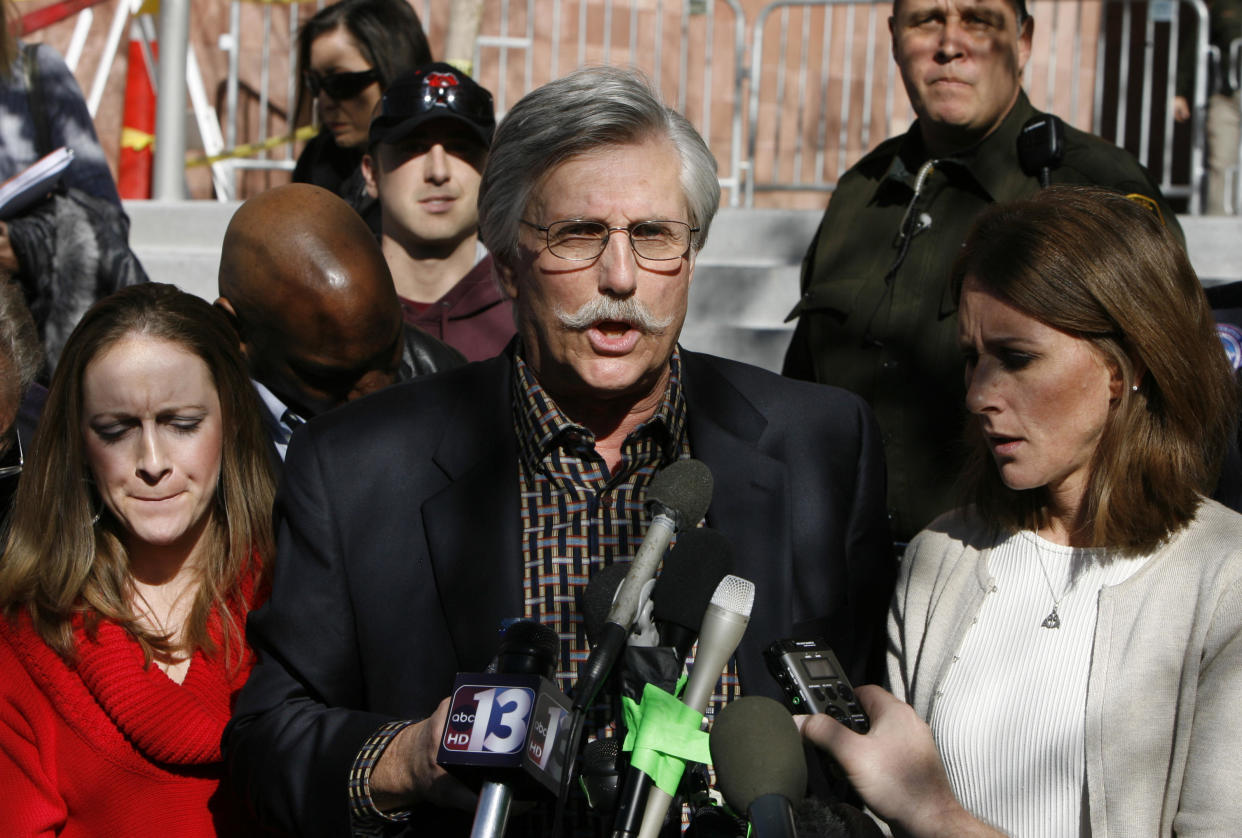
column 131, row 562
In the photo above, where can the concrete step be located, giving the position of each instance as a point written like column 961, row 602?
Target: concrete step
column 746, row 278
column 179, row 242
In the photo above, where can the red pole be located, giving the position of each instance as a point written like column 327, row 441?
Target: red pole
column 133, row 179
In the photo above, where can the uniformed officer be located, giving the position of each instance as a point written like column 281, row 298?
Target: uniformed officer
column 877, row 314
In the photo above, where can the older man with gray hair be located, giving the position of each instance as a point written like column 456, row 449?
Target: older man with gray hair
column 415, row 523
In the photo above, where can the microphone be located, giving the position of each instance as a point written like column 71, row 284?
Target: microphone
column 598, row 598
column 678, row 498
column 724, row 623
column 1041, row 146
column 504, row 728
column 599, row 777
column 696, row 564
column 760, row 765
column 683, row 592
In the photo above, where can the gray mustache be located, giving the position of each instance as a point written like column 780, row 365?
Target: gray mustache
column 628, row 310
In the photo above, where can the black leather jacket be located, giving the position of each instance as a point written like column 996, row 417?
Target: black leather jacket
column 423, row 355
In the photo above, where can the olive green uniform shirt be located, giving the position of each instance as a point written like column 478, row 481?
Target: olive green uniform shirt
column 891, row 335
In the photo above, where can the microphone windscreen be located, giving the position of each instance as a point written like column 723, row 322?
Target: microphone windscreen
column 683, row 490
column 694, row 567
column 600, row 778
column 757, row 750
column 598, row 595
column 528, row 648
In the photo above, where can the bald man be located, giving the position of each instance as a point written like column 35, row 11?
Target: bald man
column 317, row 316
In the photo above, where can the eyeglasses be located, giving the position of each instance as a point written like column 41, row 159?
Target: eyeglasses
column 581, row 241
column 340, row 86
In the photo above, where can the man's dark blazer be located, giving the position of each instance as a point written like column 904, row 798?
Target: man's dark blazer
column 399, row 555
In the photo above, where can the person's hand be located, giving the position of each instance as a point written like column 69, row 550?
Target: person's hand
column 407, row 773
column 8, row 259
column 1181, row 109
column 895, row 767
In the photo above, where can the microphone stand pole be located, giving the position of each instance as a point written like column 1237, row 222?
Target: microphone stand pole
column 491, row 815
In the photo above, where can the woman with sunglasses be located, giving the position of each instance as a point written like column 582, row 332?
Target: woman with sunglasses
column 349, row 52
column 133, row 556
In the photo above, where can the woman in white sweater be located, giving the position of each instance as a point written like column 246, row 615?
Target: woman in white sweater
column 1070, row 643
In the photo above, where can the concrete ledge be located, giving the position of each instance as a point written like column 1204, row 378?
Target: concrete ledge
column 746, row 278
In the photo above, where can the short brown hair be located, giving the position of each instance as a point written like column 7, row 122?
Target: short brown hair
column 1098, row 266
column 60, row 559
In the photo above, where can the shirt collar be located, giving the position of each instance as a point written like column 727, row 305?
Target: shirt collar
column 277, row 415
column 541, row 425
column 992, row 163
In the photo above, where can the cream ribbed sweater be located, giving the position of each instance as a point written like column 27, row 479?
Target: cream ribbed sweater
column 1164, row 687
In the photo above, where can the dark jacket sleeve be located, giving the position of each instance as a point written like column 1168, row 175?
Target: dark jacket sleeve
column 72, row 250
column 291, row 743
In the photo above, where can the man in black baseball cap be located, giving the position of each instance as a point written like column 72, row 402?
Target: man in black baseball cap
column 428, row 143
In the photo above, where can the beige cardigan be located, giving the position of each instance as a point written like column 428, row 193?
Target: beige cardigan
column 1164, row 695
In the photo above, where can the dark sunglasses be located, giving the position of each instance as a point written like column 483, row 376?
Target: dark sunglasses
column 341, row 86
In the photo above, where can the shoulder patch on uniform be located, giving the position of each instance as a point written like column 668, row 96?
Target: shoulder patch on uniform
column 1231, row 338
column 1149, row 203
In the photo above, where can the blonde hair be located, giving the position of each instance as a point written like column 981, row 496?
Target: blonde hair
column 1098, row 266
column 62, row 560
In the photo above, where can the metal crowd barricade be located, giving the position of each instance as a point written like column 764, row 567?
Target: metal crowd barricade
column 691, row 50
column 824, row 89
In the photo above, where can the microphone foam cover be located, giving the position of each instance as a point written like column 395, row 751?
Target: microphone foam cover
column 598, row 595
column 757, row 750
column 694, row 567
column 529, row 647
column 684, row 490
column 599, row 777
column 600, row 756
column 735, row 595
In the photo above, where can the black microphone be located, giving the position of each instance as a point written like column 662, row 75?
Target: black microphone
column 696, row 564
column 678, row 498
column 504, row 729
column 694, row 567
column 1041, row 146
column 597, row 597
column 760, row 764
column 600, row 778
column 597, row 600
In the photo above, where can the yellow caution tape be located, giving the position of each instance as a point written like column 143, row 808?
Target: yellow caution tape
column 303, row 133
column 136, row 140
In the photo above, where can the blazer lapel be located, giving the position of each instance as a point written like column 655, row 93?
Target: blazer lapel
column 750, row 505
column 472, row 524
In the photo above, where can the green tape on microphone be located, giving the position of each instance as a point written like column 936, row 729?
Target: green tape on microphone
column 663, row 735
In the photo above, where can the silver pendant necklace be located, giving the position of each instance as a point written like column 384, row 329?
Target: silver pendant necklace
column 1053, row 620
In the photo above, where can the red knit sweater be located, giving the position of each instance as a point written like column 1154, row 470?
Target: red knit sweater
column 111, row 747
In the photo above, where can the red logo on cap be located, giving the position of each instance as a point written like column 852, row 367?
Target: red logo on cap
column 441, row 80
